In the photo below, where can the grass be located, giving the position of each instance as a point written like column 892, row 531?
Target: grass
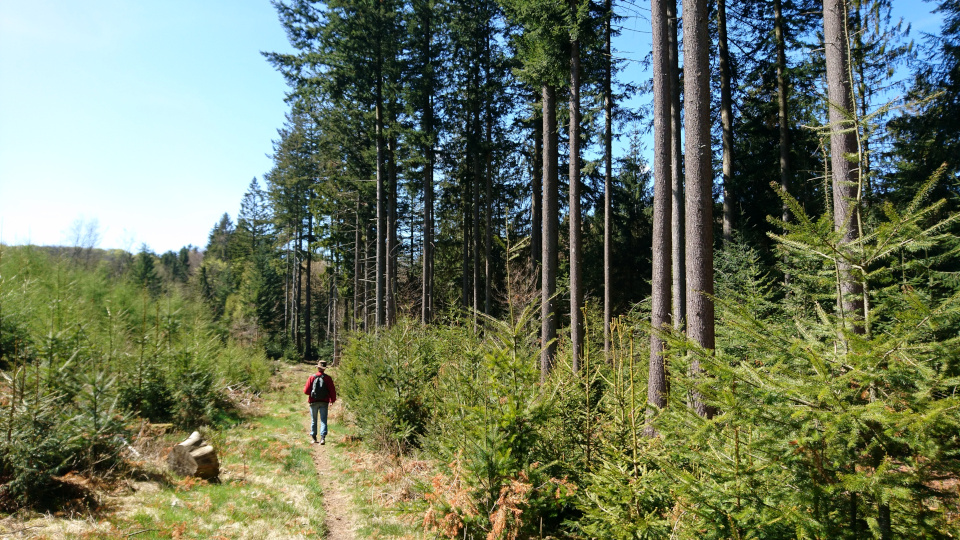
column 268, row 487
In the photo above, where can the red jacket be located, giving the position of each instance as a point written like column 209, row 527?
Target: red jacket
column 327, row 380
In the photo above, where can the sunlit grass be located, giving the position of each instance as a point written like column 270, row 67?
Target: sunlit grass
column 268, row 485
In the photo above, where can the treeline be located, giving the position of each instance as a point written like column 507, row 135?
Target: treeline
column 94, row 342
column 425, row 137
column 786, row 265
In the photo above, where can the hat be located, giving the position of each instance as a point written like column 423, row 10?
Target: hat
column 322, row 364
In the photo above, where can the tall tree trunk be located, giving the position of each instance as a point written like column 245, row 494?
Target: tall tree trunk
column 427, row 255
column 726, row 119
column 576, row 238
column 382, row 210
column 660, row 282
column 392, row 244
column 427, row 127
column 488, row 194
column 699, row 184
column 607, row 178
column 308, row 346
column 477, row 182
column 843, row 144
column 356, row 266
column 298, row 287
column 536, row 196
column 782, row 103
column 678, row 254
column 548, row 312
column 782, row 112
column 465, row 233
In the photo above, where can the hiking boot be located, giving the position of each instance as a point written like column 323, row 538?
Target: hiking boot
column 315, row 440
column 323, row 440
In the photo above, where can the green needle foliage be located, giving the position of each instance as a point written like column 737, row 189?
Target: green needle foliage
column 88, row 353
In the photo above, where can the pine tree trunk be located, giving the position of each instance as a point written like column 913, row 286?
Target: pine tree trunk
column 536, row 196
column 308, row 346
column 298, row 287
column 356, row 266
column 427, row 255
column 427, row 301
column 782, row 103
column 477, row 182
column 677, row 240
column 576, row 239
column 382, row 190
column 548, row 312
column 488, row 194
column 843, row 145
column 782, row 112
column 392, row 248
column 607, row 179
column 660, row 282
column 726, row 119
column 699, row 184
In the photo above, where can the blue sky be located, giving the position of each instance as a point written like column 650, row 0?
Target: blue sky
column 151, row 118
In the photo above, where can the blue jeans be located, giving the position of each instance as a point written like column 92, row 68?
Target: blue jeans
column 320, row 407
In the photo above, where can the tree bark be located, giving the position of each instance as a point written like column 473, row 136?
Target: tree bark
column 782, row 103
column 782, row 112
column 548, row 314
column 660, row 282
column 308, row 345
column 488, row 193
column 392, row 244
column 356, row 266
column 678, row 254
column 382, row 190
column 726, row 119
column 607, row 178
column 536, row 197
column 699, row 184
column 193, row 457
column 576, row 239
column 427, row 255
column 843, row 148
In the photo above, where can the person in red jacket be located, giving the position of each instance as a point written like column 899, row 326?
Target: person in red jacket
column 321, row 393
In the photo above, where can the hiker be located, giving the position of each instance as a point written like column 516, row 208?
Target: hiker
column 321, row 394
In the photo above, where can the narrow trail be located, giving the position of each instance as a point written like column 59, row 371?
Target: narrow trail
column 341, row 520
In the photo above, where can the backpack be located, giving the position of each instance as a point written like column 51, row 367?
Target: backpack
column 319, row 391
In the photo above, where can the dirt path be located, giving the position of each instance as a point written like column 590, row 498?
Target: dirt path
column 336, row 502
column 341, row 521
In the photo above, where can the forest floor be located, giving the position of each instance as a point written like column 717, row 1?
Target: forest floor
column 274, row 483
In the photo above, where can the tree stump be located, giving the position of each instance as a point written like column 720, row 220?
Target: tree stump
column 194, row 458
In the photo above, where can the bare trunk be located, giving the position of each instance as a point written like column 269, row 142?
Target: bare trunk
column 356, row 266
column 607, row 180
column 392, row 247
column 782, row 103
column 699, row 184
column 782, row 111
column 536, row 196
column 576, row 239
column 676, row 174
column 726, row 119
column 477, row 182
column 382, row 190
column 843, row 148
column 660, row 282
column 548, row 312
column 308, row 346
column 488, row 196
